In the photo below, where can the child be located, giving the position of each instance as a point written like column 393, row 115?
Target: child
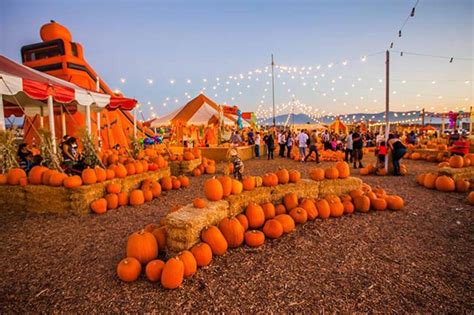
column 238, row 164
column 382, row 152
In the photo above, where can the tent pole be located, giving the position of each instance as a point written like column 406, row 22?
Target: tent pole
column 387, row 100
column 2, row 114
column 41, row 118
column 88, row 119
column 470, row 120
column 97, row 88
column 135, row 122
column 442, row 124
column 63, row 122
column 51, row 122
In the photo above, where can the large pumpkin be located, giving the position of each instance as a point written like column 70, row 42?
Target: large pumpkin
column 173, row 273
column 362, row 203
column 254, row 238
column 331, row 173
column 456, row 161
column 213, row 189
column 283, row 176
column 255, row 215
column 324, row 210
column 295, row 176
column 143, row 246
column 72, row 181
column 214, row 238
column 226, row 183
column 343, row 169
column 429, row 180
column 233, row 231
column 286, row 221
column 299, row 215
column 290, row 201
column 36, row 173
column 128, row 269
column 273, row 228
column 445, row 183
column 136, row 197
column 268, row 210
column 317, row 174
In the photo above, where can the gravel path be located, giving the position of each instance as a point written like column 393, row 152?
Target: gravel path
column 416, row 260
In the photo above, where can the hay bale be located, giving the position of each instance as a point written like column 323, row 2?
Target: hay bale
column 189, row 166
column 184, row 226
column 338, row 186
column 237, row 203
column 304, row 188
column 12, row 198
column 466, row 173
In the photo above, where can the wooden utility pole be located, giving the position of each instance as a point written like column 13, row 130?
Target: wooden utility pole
column 273, row 92
column 387, row 100
column 422, row 117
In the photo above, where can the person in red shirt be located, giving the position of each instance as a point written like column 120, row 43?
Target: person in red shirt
column 460, row 147
column 382, row 152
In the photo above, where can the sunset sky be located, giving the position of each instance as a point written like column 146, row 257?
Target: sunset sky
column 184, row 46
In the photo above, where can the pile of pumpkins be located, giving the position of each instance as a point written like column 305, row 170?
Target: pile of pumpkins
column 324, row 155
column 252, row 227
column 429, row 157
column 457, row 161
column 148, row 191
column 371, row 169
column 188, row 155
column 207, row 166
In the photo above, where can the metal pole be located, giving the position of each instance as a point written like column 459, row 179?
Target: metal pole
column 470, row 121
column 135, row 123
column 2, row 114
column 63, row 122
column 88, row 119
column 97, row 88
column 51, row 122
column 422, row 117
column 442, row 124
column 273, row 92
column 387, row 100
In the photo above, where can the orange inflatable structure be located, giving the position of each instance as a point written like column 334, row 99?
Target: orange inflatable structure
column 59, row 56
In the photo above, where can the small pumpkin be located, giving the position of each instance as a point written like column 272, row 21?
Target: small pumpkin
column 199, row 203
column 343, row 169
column 290, row 201
column 295, row 176
column 254, row 238
column 268, row 210
column 143, row 246
column 154, row 269
column 72, row 181
column 331, row 173
column 310, row 207
column 429, row 180
column 470, row 198
column 189, row 262
column 248, row 183
column 299, row 215
column 286, row 221
column 273, row 228
column 14, row 175
column 394, row 202
column 160, row 236
column 280, row 209
column 36, row 173
column 114, row 188
column 317, row 174
column 172, row 274
column 243, row 221
column 362, row 203
column 445, row 183
column 129, row 269
column 336, row 209
column 136, row 197
column 283, row 176
column 226, row 183
column 379, row 204
column 196, row 172
column 237, row 187
column 462, row 185
column 202, row 253
column 348, row 207
column 100, row 174
column 122, row 198
column 112, row 201
column 89, row 176
column 324, row 210
column 99, row 206
column 456, row 161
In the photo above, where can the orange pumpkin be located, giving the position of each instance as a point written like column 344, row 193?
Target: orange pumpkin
column 310, row 208
column 273, row 229
column 72, row 181
column 233, row 232
column 14, row 175
column 331, row 173
column 172, row 274
column 213, row 189
column 199, row 203
column 348, row 207
column 299, row 215
column 166, row 183
column 470, row 198
column 379, row 204
column 343, row 169
column 362, row 203
column 243, row 221
column 268, row 210
column 429, row 180
column 202, row 253
column 154, row 269
column 445, row 183
column 129, row 269
column 286, row 221
column 456, row 161
column 3, row 179
column 189, row 262
column 255, row 215
column 184, row 180
column 226, row 183
column 136, row 197
column 214, row 238
column 36, row 173
column 120, row 171
column 324, row 210
column 248, row 183
column 142, row 246
column 160, row 236
column 290, row 201
column 254, row 238
column 210, row 169
column 462, row 185
column 295, row 176
column 394, row 202
column 280, row 209
column 99, row 206
column 283, row 176
column 237, row 187
column 100, row 174
column 336, row 209
column 176, row 183
column 89, row 177
column 196, row 172
column 317, row 174
column 114, row 188
column 112, row 201
column 122, row 198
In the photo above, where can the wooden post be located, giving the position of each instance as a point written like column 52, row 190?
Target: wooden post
column 2, row 114
column 97, row 88
column 442, row 124
column 63, row 122
column 387, row 100
column 41, row 118
column 422, row 117
column 51, row 123
column 88, row 119
column 470, row 121
column 273, row 93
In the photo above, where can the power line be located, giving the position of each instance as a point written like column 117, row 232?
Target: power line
column 450, row 58
column 400, row 30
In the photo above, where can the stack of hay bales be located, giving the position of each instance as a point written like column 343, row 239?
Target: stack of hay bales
column 466, row 173
column 183, row 167
column 184, row 226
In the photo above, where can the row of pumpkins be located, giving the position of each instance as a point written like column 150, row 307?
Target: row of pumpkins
column 446, row 184
column 253, row 227
column 207, row 166
column 149, row 190
column 371, row 169
column 41, row 175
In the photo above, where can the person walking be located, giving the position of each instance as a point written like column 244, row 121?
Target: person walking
column 357, row 144
column 289, row 144
column 257, row 145
column 302, row 144
column 349, row 148
column 270, row 143
column 326, row 138
column 282, row 143
column 398, row 151
column 313, row 140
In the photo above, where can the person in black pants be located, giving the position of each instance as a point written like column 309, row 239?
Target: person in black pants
column 398, row 151
column 357, row 144
column 270, row 143
column 313, row 140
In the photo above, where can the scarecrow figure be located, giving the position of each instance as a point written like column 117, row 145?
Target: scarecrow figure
column 237, row 163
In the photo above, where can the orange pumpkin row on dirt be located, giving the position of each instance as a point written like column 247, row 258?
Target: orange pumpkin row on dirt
column 371, row 169
column 443, row 183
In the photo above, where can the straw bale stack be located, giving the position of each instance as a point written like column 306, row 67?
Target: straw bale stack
column 339, row 186
column 458, row 173
column 12, row 198
column 184, row 226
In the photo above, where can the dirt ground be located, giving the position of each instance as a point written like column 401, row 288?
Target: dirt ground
column 419, row 259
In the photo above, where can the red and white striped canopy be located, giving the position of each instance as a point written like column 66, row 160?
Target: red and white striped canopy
column 19, row 83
